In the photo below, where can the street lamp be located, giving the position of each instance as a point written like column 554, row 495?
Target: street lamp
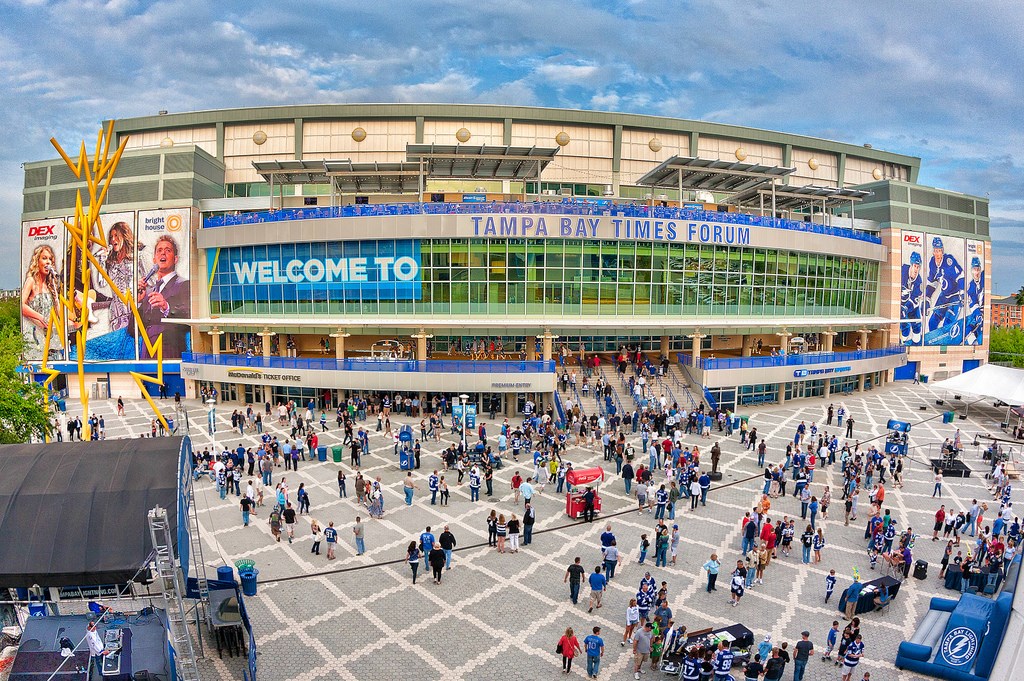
column 211, row 417
column 463, row 397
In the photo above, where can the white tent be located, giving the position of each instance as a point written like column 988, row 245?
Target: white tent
column 1002, row 383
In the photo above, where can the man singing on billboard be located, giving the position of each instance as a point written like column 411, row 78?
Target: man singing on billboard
column 163, row 294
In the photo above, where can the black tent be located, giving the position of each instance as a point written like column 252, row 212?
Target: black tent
column 75, row 513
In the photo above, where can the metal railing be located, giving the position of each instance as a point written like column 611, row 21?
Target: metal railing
column 801, row 359
column 564, row 207
column 439, row 366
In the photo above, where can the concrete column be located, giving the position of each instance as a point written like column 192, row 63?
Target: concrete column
column 782, row 393
column 265, row 335
column 421, row 344
column 696, row 337
column 531, row 349
column 828, row 388
column 747, row 350
column 829, row 337
column 215, row 335
column 863, row 338
column 666, row 345
column 783, row 340
column 339, row 337
column 860, row 383
column 546, row 344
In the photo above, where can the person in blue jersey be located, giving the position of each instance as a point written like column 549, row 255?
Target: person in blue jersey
column 910, row 301
column 975, row 318
column 943, row 292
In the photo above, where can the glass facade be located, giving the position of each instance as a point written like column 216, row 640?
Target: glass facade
column 569, row 277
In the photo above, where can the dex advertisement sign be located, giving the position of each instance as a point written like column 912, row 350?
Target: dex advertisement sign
column 42, row 272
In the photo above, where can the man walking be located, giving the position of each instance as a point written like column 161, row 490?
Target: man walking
column 594, row 647
column 331, row 536
column 598, row 582
column 574, row 575
column 448, row 543
column 642, row 649
column 433, row 484
column 802, row 652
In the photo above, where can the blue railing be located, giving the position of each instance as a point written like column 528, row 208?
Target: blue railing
column 434, row 366
column 560, row 410
column 710, row 399
column 801, row 359
column 564, row 207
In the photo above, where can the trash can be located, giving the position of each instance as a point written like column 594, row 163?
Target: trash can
column 336, row 452
column 321, row 454
column 947, row 417
column 249, row 581
column 735, row 422
column 924, row 379
column 62, row 405
column 225, row 573
column 37, row 610
column 405, row 434
column 406, row 460
column 921, row 569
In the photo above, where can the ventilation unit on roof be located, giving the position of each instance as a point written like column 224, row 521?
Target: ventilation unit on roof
column 549, row 192
column 608, row 191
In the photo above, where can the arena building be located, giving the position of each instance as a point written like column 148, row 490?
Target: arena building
column 310, row 251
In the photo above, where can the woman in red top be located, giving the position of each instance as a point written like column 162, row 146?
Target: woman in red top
column 568, row 646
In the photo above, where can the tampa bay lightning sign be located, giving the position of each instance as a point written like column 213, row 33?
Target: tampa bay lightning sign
column 959, row 647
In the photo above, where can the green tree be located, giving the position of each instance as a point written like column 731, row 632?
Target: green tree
column 23, row 411
column 1007, row 346
column 1020, row 296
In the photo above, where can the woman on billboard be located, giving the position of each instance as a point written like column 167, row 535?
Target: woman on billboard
column 39, row 296
column 119, row 262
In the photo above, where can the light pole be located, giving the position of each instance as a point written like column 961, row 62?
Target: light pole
column 463, row 397
column 211, row 417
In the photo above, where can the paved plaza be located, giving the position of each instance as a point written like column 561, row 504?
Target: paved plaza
column 500, row 616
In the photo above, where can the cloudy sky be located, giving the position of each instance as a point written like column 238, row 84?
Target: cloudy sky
column 942, row 81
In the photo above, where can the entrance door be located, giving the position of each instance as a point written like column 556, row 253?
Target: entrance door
column 907, row 372
column 971, row 364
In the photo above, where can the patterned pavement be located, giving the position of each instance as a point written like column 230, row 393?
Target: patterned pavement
column 360, row 617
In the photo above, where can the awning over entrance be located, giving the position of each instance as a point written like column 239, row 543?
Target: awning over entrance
column 727, row 177
column 481, row 162
column 798, row 198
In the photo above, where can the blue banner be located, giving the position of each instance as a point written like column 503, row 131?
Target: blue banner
column 336, row 270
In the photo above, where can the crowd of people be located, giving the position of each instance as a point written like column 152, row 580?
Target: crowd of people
column 660, row 467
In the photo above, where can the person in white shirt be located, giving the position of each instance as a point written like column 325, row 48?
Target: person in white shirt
column 95, row 643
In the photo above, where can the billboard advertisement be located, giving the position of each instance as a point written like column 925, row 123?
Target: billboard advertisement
column 109, row 336
column 974, row 302
column 42, row 267
column 162, row 285
column 944, row 291
column 912, row 288
column 388, row 269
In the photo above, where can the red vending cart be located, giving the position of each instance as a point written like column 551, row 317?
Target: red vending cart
column 580, row 479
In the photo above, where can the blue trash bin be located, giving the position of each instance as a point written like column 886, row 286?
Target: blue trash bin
column 406, row 460
column 248, row 578
column 37, row 610
column 735, row 422
column 225, row 573
column 321, row 454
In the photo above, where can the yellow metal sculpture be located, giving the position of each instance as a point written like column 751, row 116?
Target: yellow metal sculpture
column 84, row 230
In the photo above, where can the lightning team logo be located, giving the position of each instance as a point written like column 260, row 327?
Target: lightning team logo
column 959, row 646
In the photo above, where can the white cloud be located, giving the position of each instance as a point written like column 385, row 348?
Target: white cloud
column 944, row 84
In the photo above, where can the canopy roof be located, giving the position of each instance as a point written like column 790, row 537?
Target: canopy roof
column 75, row 513
column 795, row 198
column 727, row 177
column 348, row 177
column 481, row 162
column 1001, row 383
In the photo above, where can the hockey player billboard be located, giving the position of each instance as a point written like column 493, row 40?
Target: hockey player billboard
column 974, row 307
column 912, row 288
column 944, row 291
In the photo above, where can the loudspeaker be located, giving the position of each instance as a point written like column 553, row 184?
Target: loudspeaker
column 939, row 402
